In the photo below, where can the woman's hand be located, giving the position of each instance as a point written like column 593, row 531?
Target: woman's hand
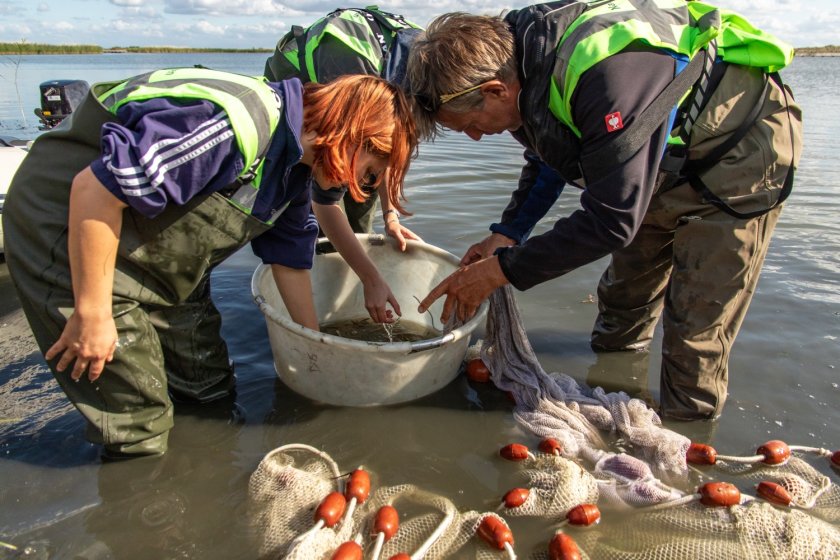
column 486, row 248
column 377, row 295
column 399, row 232
column 90, row 342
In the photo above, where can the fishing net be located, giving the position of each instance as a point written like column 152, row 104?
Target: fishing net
column 673, row 519
column 290, row 485
column 597, row 450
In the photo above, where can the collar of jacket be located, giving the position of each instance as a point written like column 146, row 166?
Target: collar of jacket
column 537, row 31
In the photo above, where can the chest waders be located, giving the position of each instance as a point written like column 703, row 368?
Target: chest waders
column 168, row 327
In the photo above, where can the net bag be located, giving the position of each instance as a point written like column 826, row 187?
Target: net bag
column 677, row 519
column 292, row 484
column 662, row 495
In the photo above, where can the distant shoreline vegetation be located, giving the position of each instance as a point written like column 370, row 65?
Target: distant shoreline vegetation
column 830, row 50
column 40, row 48
column 23, row 47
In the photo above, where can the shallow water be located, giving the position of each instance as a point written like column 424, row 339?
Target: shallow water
column 59, row 498
column 365, row 329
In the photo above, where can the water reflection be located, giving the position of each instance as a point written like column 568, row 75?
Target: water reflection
column 157, row 507
column 59, row 499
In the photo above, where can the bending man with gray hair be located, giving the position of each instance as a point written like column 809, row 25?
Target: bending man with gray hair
column 682, row 138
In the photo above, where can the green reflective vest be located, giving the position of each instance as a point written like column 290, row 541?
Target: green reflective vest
column 366, row 37
column 252, row 107
column 682, row 27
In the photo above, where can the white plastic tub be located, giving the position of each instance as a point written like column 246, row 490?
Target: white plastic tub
column 345, row 372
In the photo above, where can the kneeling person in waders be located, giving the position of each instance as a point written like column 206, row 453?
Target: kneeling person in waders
column 683, row 191
column 348, row 41
column 115, row 222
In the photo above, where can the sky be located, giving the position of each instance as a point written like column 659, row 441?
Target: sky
column 244, row 24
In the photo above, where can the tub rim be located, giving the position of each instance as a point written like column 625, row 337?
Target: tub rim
column 367, row 346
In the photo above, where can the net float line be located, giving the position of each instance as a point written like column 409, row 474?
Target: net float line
column 337, row 506
column 710, row 494
column 783, row 467
column 773, row 452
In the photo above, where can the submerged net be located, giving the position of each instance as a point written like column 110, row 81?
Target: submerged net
column 606, row 449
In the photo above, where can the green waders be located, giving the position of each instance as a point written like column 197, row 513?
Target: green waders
column 168, row 327
column 695, row 261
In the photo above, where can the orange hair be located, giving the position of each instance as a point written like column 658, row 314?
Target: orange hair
column 360, row 112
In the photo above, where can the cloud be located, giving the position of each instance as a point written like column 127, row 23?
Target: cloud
column 18, row 30
column 229, row 7
column 9, row 9
column 61, row 26
column 146, row 12
column 421, row 11
column 43, row 7
column 797, row 22
column 127, row 3
column 267, row 28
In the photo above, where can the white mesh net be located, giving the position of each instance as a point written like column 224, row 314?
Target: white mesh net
column 582, row 466
column 289, row 484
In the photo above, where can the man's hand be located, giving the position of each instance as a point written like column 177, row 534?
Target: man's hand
column 466, row 289
column 486, row 247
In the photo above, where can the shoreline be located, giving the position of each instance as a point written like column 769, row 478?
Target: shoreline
column 20, row 49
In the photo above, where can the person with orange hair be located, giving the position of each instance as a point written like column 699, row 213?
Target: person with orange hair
column 114, row 223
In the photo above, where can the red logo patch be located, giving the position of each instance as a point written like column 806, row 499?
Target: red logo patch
column 614, row 121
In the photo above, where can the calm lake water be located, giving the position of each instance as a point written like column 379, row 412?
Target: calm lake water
column 57, row 498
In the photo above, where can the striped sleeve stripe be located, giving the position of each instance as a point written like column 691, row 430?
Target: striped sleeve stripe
column 155, row 148
column 141, row 186
column 139, row 181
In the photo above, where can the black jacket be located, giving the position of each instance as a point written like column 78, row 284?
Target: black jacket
column 613, row 205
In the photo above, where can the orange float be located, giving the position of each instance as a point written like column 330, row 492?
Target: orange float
column 719, row 494
column 774, row 493
column 584, row 515
column 551, row 446
column 701, row 454
column 514, row 452
column 331, row 509
column 495, row 532
column 387, row 522
column 477, row 371
column 775, row 452
column 348, row 551
column 358, row 486
column 516, row 497
column 563, row 547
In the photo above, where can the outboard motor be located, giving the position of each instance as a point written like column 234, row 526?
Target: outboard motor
column 59, row 98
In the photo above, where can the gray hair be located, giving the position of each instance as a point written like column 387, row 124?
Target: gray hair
column 457, row 51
